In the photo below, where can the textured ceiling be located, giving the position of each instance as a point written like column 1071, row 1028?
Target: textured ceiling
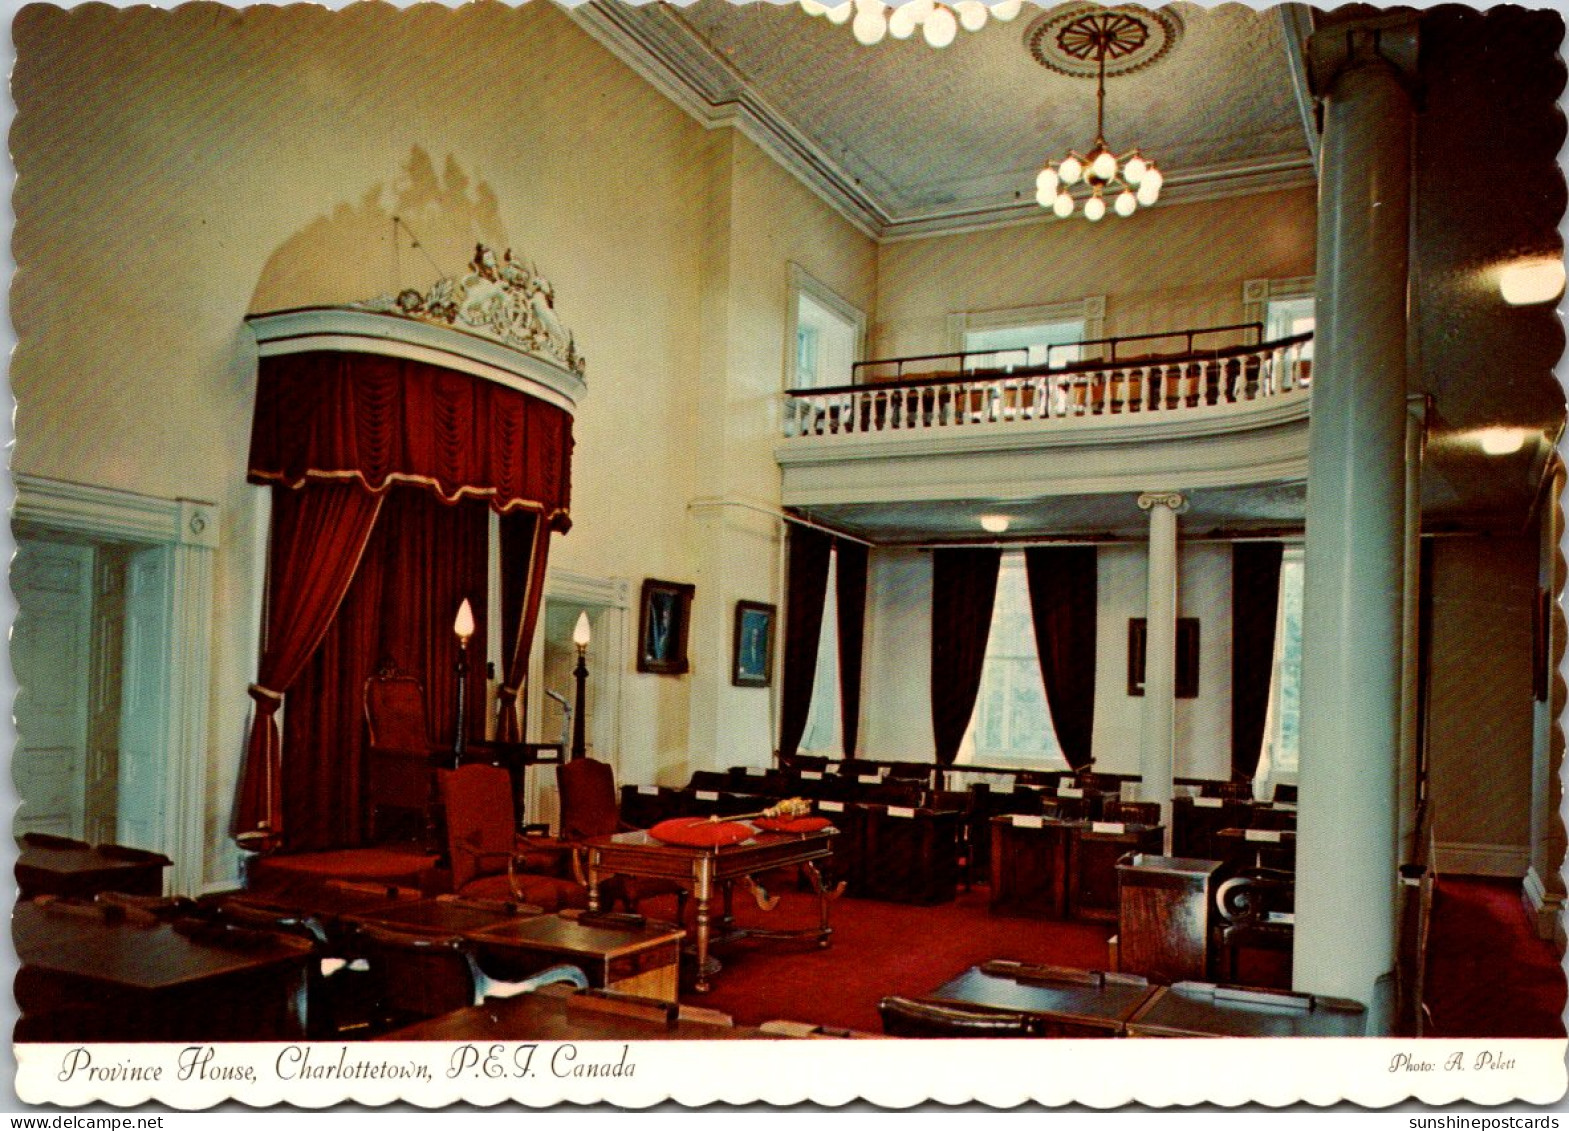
column 927, row 133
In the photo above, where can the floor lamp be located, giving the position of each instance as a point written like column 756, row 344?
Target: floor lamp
column 580, row 637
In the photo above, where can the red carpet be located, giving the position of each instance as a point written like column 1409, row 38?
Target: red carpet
column 877, row 949
column 1488, row 975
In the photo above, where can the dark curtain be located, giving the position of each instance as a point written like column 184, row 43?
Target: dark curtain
column 1255, row 597
column 1063, row 588
column 964, row 588
column 850, row 592
column 525, row 550
column 422, row 560
column 318, row 536
column 806, row 587
column 329, row 416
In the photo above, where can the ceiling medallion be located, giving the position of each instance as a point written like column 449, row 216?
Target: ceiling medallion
column 1090, row 41
column 1060, row 41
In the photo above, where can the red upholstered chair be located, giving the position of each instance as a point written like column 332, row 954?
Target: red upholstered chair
column 489, row 859
column 588, row 809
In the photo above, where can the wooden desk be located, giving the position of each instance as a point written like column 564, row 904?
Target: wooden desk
column 1029, row 865
column 1071, row 1003
column 1258, row 848
column 644, row 961
column 85, row 979
column 698, row 870
column 1196, row 820
column 1165, row 913
column 546, row 1016
column 1202, row 1009
column 441, row 917
column 1092, row 865
column 911, row 855
column 83, row 872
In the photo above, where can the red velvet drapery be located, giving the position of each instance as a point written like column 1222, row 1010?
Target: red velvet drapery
column 422, row 560
column 525, row 548
column 327, row 415
column 342, row 428
column 317, row 540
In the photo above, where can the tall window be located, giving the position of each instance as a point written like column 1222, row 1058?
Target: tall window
column 1011, row 347
column 1285, row 700
column 1011, row 725
column 823, row 734
column 826, row 335
column 1288, row 317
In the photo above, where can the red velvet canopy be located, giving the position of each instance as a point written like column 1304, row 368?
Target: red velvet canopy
column 329, row 415
column 341, row 428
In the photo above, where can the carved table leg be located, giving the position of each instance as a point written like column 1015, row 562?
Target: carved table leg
column 593, row 880
column 703, row 892
column 824, row 930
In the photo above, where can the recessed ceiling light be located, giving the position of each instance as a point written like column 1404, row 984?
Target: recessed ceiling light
column 994, row 523
column 1502, row 441
column 1529, row 281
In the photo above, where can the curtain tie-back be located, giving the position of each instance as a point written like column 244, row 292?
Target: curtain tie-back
column 506, row 693
column 265, row 697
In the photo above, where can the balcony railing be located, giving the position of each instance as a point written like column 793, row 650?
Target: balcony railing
column 965, row 389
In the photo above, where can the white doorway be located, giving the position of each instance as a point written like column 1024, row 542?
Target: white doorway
column 552, row 694
column 111, row 649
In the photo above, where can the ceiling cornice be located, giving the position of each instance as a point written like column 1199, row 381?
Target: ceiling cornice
column 1296, row 25
column 663, row 50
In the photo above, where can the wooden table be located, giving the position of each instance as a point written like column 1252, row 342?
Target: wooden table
column 1202, row 1009
column 633, row 960
column 549, row 1016
column 1070, row 1003
column 700, row 869
column 87, row 979
column 47, row 870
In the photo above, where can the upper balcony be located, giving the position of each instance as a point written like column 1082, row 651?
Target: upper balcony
column 1212, row 407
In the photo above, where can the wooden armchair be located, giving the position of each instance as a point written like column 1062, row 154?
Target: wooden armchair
column 588, row 810
column 490, row 860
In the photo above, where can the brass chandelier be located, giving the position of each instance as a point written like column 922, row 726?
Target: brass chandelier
column 1131, row 179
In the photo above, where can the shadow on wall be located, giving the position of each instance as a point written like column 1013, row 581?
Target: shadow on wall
column 368, row 249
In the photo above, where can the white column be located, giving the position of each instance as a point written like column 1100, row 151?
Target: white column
column 1350, row 737
column 1158, row 750
column 1411, row 573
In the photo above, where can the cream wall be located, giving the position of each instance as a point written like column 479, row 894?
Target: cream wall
column 773, row 222
column 1173, row 266
column 178, row 169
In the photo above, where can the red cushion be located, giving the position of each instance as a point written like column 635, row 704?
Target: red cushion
column 700, row 832
column 793, row 824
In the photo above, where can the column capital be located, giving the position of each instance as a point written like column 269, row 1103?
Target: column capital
column 1384, row 40
column 1177, row 501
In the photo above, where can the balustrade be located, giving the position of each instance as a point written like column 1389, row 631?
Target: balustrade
column 1178, row 384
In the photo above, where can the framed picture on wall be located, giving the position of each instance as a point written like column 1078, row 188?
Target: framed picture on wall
column 754, row 644
column 665, row 612
column 1187, row 656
